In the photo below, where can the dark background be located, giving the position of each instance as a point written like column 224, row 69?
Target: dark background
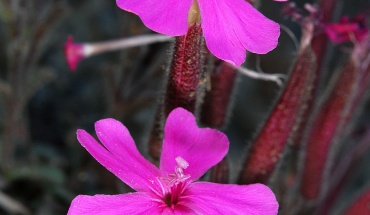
column 50, row 167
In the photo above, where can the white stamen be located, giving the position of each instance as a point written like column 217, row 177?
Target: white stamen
column 161, row 185
column 177, row 177
column 181, row 162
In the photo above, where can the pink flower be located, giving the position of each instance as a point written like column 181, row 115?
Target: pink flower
column 230, row 27
column 187, row 153
column 73, row 52
column 348, row 29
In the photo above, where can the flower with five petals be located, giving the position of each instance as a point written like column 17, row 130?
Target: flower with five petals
column 187, row 153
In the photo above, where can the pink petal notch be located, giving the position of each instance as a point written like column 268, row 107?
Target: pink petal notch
column 231, row 27
column 163, row 16
column 202, row 148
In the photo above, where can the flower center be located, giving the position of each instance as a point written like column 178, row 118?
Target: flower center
column 173, row 185
column 194, row 13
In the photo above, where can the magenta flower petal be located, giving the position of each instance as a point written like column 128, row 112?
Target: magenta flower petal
column 129, row 166
column 231, row 27
column 348, row 29
column 117, row 139
column 202, row 148
column 211, row 198
column 73, row 52
column 131, row 203
column 163, row 16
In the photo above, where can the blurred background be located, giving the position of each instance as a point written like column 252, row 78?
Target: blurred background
column 43, row 103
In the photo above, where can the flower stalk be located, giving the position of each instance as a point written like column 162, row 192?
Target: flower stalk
column 184, row 73
column 215, row 108
column 75, row 52
column 360, row 205
column 267, row 148
column 218, row 97
column 328, row 126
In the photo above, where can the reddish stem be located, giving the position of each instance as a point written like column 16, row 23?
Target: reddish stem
column 268, row 147
column 327, row 125
column 182, row 83
column 218, row 98
column 185, row 71
column 361, row 205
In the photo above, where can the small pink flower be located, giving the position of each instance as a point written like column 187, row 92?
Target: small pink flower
column 347, row 29
column 187, row 153
column 230, row 27
column 73, row 52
